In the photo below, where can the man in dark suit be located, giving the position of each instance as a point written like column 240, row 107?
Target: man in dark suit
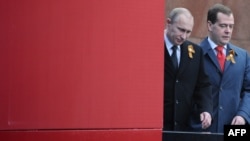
column 186, row 86
column 230, row 77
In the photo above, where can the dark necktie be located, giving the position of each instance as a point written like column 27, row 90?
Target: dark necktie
column 174, row 57
column 220, row 56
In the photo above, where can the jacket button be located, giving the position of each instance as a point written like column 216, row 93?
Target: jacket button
column 175, row 123
column 177, row 102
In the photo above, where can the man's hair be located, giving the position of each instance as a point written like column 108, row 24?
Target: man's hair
column 215, row 9
column 173, row 15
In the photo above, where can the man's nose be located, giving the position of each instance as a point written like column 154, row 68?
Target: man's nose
column 184, row 35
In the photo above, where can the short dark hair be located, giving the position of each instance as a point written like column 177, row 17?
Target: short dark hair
column 215, row 9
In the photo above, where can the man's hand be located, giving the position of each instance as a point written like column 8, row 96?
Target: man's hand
column 238, row 120
column 206, row 119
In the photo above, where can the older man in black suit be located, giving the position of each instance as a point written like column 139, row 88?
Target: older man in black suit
column 186, row 85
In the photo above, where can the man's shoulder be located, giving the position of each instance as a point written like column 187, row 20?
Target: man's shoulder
column 195, row 45
column 236, row 48
column 188, row 42
column 204, row 42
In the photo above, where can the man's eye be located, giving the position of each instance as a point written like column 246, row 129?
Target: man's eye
column 222, row 25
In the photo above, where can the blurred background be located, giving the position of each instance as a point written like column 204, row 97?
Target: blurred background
column 240, row 8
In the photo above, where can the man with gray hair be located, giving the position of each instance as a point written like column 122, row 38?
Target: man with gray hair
column 186, row 85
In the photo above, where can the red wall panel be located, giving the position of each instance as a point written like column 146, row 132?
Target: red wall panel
column 82, row 135
column 81, row 64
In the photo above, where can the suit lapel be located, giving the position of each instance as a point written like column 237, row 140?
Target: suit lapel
column 229, row 63
column 168, row 61
column 209, row 52
column 184, row 58
column 214, row 59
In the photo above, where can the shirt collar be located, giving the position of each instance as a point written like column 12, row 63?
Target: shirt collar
column 213, row 45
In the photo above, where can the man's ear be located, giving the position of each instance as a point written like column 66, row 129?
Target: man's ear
column 209, row 25
column 169, row 21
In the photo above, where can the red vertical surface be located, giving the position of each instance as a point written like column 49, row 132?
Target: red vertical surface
column 81, row 64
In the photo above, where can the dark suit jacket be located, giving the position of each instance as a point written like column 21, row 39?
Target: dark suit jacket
column 185, row 88
column 230, row 89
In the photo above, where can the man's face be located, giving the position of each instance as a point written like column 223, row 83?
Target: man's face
column 221, row 30
column 180, row 29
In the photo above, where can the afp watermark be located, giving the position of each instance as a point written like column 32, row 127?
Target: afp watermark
column 241, row 132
